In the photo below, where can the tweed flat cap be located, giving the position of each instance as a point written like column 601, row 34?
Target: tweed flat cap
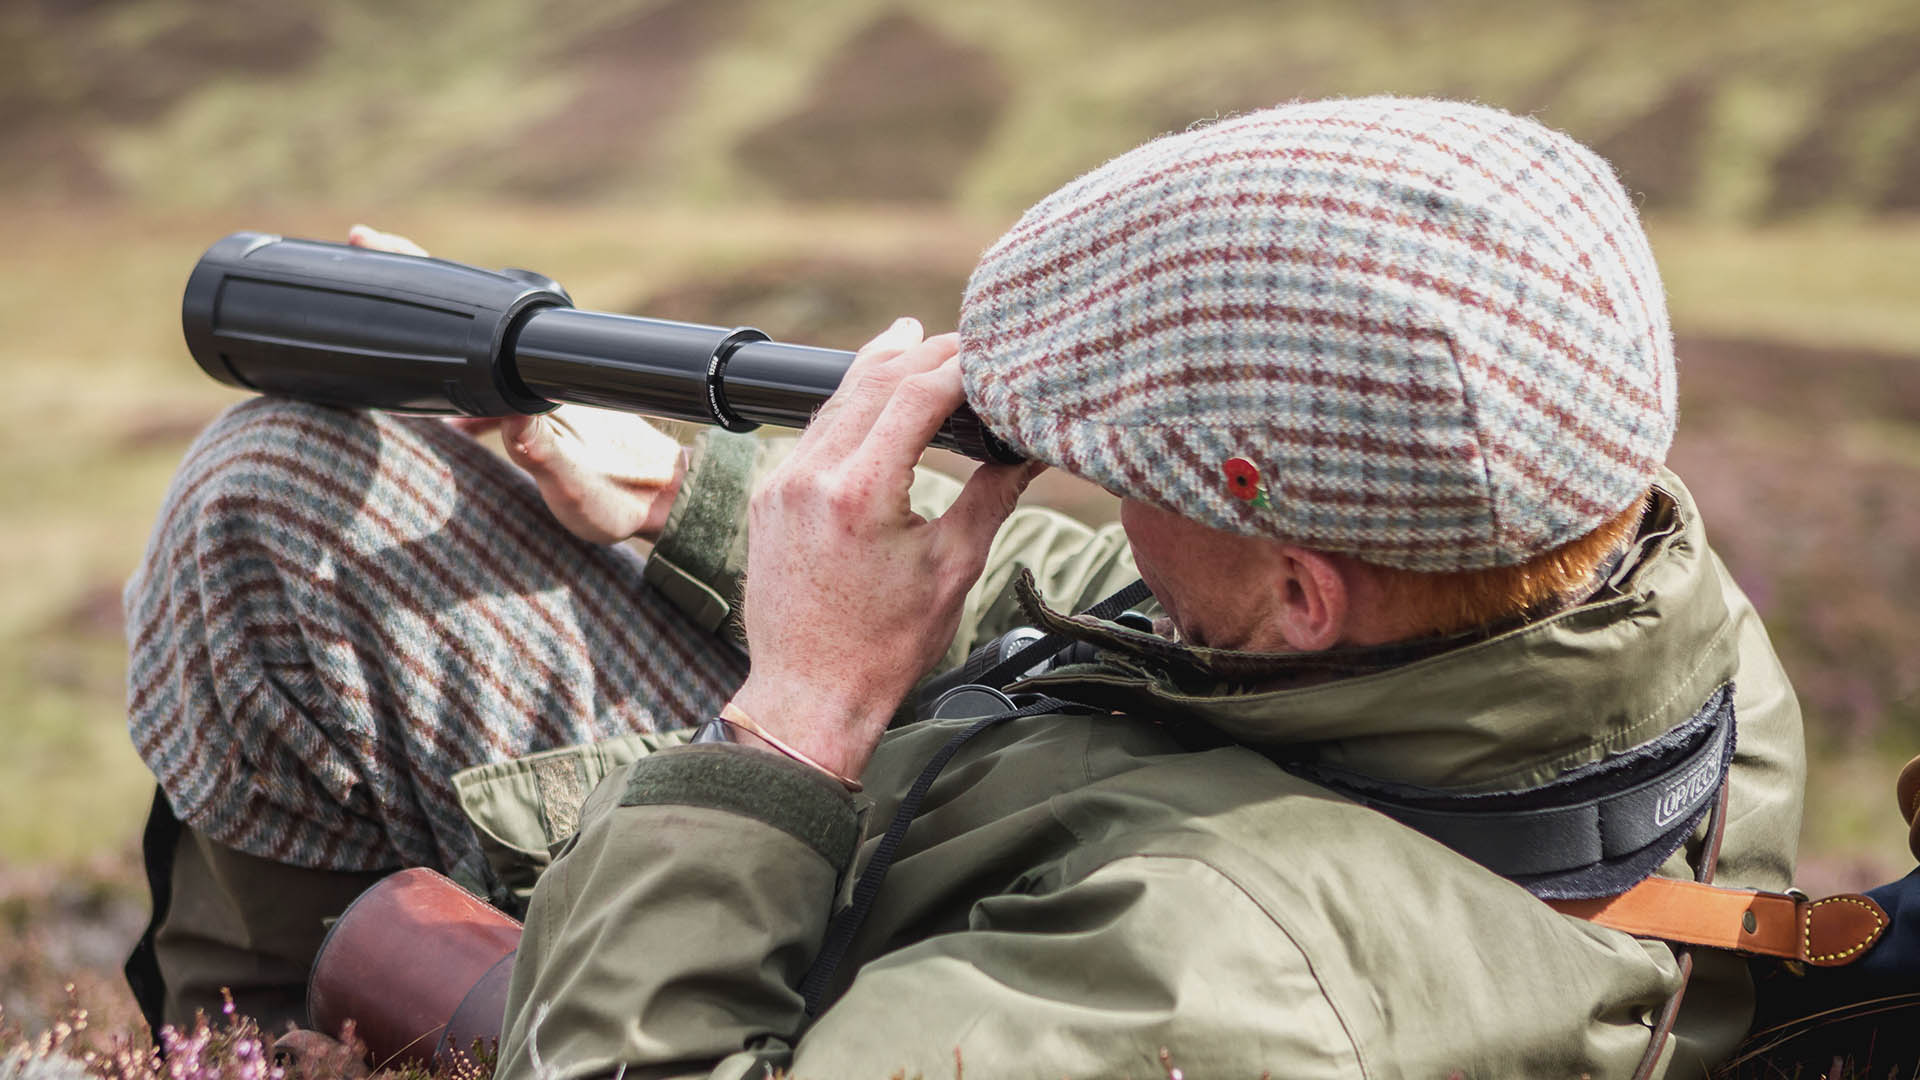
column 1424, row 333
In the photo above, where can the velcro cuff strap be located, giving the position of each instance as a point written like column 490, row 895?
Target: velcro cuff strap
column 689, row 563
column 1831, row 932
column 695, row 598
column 801, row 802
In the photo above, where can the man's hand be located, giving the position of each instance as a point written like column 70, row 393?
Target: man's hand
column 605, row 475
column 850, row 595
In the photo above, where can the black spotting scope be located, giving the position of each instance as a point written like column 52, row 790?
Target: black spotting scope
column 345, row 325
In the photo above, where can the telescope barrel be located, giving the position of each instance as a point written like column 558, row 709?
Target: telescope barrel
column 772, row 383
column 348, row 326
column 613, row 361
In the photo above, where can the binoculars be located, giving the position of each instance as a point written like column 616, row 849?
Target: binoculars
column 343, row 325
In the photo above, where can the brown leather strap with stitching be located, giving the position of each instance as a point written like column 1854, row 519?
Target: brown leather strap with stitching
column 1826, row 933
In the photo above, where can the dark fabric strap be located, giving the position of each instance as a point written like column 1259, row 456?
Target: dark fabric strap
column 1520, row 842
column 157, row 844
column 1010, row 669
column 1594, row 832
column 846, row 922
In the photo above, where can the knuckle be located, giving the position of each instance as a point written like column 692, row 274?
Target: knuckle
column 926, row 389
column 1008, row 500
column 846, row 496
column 952, row 564
column 856, row 391
column 868, row 361
column 793, row 486
column 953, row 583
column 876, row 383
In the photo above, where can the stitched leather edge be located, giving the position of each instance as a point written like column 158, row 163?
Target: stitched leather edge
column 1826, row 959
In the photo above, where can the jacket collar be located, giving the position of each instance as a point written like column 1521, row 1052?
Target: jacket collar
column 1514, row 708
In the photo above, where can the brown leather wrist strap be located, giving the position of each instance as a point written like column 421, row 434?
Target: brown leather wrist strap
column 1826, row 933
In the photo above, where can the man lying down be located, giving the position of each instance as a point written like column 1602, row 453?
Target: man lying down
column 1384, row 387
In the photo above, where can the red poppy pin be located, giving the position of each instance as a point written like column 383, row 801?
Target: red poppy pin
column 1243, row 481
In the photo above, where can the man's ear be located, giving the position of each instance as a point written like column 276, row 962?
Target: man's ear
column 1314, row 601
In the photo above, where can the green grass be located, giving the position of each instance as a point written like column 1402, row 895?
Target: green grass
column 367, row 104
column 1819, row 283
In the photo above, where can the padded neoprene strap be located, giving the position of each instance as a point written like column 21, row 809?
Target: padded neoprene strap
column 1588, row 834
column 1577, row 834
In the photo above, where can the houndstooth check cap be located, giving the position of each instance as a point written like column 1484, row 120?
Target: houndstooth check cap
column 1424, row 333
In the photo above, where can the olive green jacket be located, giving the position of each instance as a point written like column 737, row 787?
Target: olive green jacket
column 1083, row 893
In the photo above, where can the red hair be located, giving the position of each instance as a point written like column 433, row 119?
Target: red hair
column 1450, row 601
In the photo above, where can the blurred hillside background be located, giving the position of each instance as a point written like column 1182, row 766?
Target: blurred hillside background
column 817, row 168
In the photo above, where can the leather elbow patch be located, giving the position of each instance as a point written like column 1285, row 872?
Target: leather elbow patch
column 808, row 806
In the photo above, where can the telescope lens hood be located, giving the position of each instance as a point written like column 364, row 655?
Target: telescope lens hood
column 350, row 326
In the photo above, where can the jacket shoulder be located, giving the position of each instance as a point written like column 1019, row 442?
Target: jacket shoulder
column 1412, row 946
column 1148, row 953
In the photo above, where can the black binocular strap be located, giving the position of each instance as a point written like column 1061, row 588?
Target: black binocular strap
column 157, row 845
column 1006, row 671
column 846, row 923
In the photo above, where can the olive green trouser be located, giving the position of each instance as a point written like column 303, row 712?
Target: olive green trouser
column 251, row 926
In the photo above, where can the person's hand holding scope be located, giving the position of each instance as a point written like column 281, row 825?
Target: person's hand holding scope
column 850, row 595
column 606, row 476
